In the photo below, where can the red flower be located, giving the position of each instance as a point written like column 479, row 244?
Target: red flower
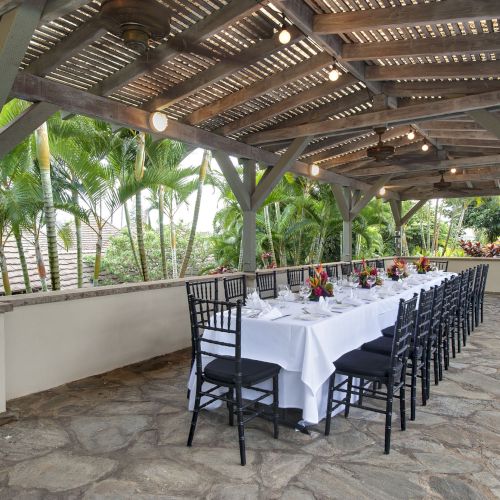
column 318, row 291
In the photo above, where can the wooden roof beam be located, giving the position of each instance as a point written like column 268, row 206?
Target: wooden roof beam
column 432, row 125
column 16, row 29
column 484, row 143
column 484, row 69
column 55, row 9
column 259, row 88
column 462, row 134
column 400, row 17
column 425, row 89
column 459, row 193
column 488, row 120
column 223, row 69
column 451, row 45
column 302, row 16
column 484, row 175
column 225, row 16
column 295, row 100
column 408, row 114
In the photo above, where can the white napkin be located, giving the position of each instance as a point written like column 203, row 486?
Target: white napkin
column 320, row 308
column 255, row 302
column 270, row 313
column 290, row 296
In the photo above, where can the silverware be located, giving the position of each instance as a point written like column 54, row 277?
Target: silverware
column 284, row 316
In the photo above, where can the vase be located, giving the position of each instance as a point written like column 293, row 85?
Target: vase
column 395, row 278
column 421, row 272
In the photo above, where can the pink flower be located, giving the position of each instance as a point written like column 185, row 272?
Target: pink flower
column 318, row 291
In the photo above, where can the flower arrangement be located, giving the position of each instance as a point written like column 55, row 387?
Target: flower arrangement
column 423, row 265
column 478, row 250
column 365, row 272
column 398, row 269
column 320, row 286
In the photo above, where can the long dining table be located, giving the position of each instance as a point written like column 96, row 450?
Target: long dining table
column 306, row 344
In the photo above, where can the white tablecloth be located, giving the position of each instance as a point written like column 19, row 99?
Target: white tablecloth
column 306, row 350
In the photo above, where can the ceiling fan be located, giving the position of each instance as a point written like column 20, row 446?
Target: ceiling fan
column 441, row 185
column 140, row 23
column 380, row 151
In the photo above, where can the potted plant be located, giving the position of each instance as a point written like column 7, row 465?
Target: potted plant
column 319, row 284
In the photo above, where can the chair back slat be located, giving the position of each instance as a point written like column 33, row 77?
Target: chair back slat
column 464, row 288
column 266, row 285
column 332, row 270
column 203, row 289
column 404, row 330
column 424, row 318
column 295, row 278
column 235, row 288
column 357, row 266
column 437, row 308
column 442, row 265
column 484, row 278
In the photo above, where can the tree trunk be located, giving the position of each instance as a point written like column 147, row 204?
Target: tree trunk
column 460, row 222
column 40, row 264
column 78, row 236
column 22, row 258
column 201, row 181
column 131, row 236
column 267, row 223
column 98, row 256
column 161, row 213
column 5, row 271
column 140, row 236
column 43, row 156
column 435, row 236
column 173, row 247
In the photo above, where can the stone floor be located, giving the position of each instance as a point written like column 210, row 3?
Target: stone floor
column 122, row 435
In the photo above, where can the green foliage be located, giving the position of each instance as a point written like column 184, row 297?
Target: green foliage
column 484, row 216
column 118, row 264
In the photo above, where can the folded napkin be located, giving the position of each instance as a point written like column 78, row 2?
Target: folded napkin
column 289, row 297
column 320, row 308
column 255, row 302
column 270, row 313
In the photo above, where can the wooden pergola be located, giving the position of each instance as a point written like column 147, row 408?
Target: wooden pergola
column 228, row 84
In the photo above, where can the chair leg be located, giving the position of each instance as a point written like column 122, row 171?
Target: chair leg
column 361, row 385
column 241, row 427
column 194, row 418
column 348, row 397
column 388, row 419
column 451, row 336
column 413, row 390
column 331, row 386
column 230, row 407
column 275, row 406
column 482, row 310
column 402, row 407
column 424, row 374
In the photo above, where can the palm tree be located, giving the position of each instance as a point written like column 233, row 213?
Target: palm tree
column 205, row 162
column 43, row 157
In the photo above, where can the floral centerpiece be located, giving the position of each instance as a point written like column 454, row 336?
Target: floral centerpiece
column 319, row 284
column 423, row 265
column 398, row 269
column 365, row 272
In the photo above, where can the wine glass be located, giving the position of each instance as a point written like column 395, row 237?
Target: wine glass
column 371, row 280
column 283, row 291
column 304, row 292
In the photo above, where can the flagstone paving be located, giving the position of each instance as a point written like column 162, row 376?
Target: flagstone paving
column 122, row 436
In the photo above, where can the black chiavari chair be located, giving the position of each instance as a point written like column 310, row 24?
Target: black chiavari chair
column 461, row 312
column 442, row 265
column 229, row 370
column 295, row 278
column 433, row 344
column 484, row 278
column 371, row 263
column 470, row 299
column 357, row 266
column 235, row 288
column 332, row 270
column 266, row 285
column 380, row 264
column 418, row 351
column 379, row 369
column 346, row 268
column 476, row 297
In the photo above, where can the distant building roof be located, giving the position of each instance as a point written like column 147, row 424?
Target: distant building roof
column 67, row 259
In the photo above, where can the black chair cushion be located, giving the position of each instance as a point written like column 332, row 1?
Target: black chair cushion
column 253, row 371
column 364, row 364
column 381, row 345
column 389, row 331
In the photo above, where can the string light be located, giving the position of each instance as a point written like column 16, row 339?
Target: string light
column 425, row 147
column 158, row 121
column 382, row 191
column 284, row 37
column 334, row 74
column 453, row 170
column 411, row 135
column 314, row 170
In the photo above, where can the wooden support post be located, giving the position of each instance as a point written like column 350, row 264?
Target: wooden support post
column 396, row 207
column 343, row 196
column 249, row 221
column 16, row 29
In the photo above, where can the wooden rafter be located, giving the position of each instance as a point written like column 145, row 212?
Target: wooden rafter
column 399, row 17
column 450, row 45
column 427, row 180
column 423, row 89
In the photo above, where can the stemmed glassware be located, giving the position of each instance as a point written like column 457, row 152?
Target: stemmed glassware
column 371, row 280
column 283, row 291
column 304, row 292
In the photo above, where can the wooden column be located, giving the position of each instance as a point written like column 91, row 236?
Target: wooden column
column 249, row 221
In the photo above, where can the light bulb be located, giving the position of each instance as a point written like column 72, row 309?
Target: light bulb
column 411, row 135
column 284, row 37
column 382, row 191
column 453, row 170
column 334, row 75
column 158, row 121
column 314, row 170
column 425, row 147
